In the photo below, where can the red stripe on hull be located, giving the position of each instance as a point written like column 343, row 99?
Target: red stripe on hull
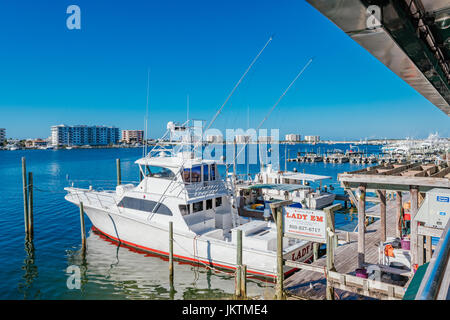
column 162, row 253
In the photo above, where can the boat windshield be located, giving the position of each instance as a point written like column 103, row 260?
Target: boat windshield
column 159, row 172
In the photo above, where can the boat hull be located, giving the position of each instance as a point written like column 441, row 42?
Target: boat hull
column 201, row 250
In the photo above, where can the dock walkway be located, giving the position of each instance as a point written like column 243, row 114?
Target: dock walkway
column 311, row 285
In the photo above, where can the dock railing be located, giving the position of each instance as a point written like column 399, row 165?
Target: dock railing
column 436, row 281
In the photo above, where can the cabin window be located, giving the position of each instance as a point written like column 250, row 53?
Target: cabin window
column 187, row 175
column 213, row 172
column 144, row 205
column 197, row 206
column 205, row 172
column 218, row 202
column 196, row 174
column 185, row 209
column 209, row 203
column 159, row 172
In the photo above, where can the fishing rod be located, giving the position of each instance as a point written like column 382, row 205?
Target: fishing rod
column 278, row 101
column 236, row 85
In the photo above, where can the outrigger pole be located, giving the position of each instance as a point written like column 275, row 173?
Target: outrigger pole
column 278, row 101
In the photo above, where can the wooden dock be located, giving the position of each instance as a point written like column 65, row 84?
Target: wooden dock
column 306, row 284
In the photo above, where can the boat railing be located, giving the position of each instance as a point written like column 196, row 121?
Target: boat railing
column 104, row 199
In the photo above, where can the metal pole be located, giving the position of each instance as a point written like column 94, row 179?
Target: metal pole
column 25, row 194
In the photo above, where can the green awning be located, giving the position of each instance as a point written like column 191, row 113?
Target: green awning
column 414, row 285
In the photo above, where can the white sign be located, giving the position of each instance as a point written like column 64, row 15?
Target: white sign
column 305, row 223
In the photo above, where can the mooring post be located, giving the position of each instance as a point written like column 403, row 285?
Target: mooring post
column 83, row 229
column 398, row 229
column 382, row 196
column 25, row 195
column 30, row 206
column 119, row 176
column 280, row 273
column 414, row 238
column 238, row 280
column 171, row 253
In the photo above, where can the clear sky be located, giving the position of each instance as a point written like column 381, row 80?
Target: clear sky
column 98, row 75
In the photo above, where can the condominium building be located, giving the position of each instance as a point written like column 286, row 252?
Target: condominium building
column 293, row 137
column 312, row 139
column 84, row 135
column 130, row 136
column 2, row 135
column 243, row 139
column 265, row 139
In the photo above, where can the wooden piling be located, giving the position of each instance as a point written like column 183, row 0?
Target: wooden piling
column 361, row 226
column 398, row 229
column 244, row 281
column 83, row 229
column 316, row 250
column 280, row 272
column 30, row 206
column 119, row 175
column 25, row 195
column 238, row 275
column 428, row 249
column 171, row 253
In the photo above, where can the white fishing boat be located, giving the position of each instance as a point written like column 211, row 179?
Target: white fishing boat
column 189, row 192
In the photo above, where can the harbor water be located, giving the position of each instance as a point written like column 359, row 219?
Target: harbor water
column 108, row 271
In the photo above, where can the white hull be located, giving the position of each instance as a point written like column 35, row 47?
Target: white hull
column 200, row 249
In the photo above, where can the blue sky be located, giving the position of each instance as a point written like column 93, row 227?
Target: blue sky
column 98, row 75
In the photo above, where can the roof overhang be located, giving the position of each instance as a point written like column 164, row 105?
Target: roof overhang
column 411, row 37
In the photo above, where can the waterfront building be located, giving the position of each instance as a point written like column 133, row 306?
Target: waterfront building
column 131, row 136
column 312, row 139
column 84, row 135
column 293, row 137
column 265, row 139
column 2, row 135
column 35, row 143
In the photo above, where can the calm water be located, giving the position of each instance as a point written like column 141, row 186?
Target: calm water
column 109, row 271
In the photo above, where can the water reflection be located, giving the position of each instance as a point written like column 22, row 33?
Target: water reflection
column 118, row 272
column 26, row 287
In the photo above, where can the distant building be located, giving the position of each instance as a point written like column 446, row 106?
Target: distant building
column 2, row 135
column 265, row 139
column 80, row 135
column 214, row 139
column 312, row 139
column 243, row 139
column 35, row 143
column 130, row 136
column 293, row 137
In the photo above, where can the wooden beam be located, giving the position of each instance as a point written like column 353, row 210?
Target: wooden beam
column 442, row 173
column 361, row 225
column 433, row 181
column 400, row 169
column 304, row 266
column 427, row 231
